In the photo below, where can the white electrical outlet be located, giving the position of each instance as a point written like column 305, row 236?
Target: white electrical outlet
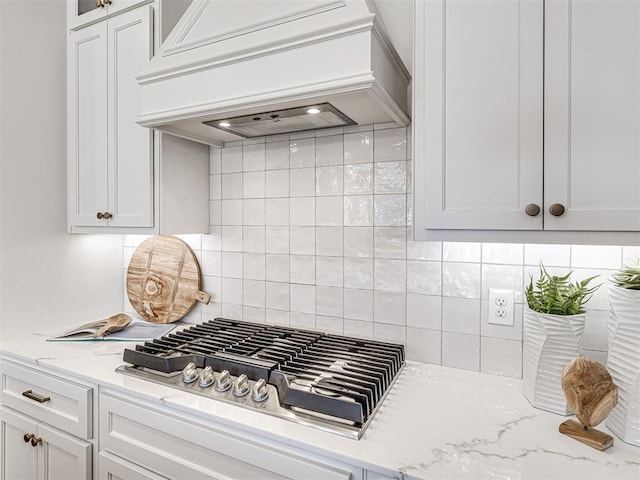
column 501, row 306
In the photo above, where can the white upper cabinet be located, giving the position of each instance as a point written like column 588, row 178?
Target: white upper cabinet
column 86, row 12
column 527, row 117
column 123, row 178
column 592, row 114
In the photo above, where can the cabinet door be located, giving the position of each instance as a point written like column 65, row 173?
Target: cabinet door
column 592, row 114
column 61, row 456
column 479, row 152
column 112, row 467
column 19, row 460
column 130, row 150
column 87, row 125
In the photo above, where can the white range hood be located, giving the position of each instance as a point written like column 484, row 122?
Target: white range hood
column 233, row 69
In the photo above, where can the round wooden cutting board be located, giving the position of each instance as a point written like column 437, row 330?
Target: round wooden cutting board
column 163, row 279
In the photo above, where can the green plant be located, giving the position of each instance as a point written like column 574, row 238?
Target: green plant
column 557, row 295
column 628, row 276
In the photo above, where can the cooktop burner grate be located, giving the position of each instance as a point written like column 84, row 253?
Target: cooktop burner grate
column 329, row 377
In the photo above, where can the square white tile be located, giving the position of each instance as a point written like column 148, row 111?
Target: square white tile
column 424, row 345
column 358, row 304
column 329, row 241
column 358, row 179
column 385, row 332
column 424, row 311
column 329, row 324
column 329, row 301
column 390, row 242
column 390, row 177
column 211, row 263
column 461, row 252
column 390, row 275
column 277, row 239
column 390, row 145
column 358, row 273
column 277, row 267
column 253, row 266
column 231, row 291
column 303, row 300
column 232, row 238
column 390, row 308
column 231, row 159
column 302, row 182
column 302, row 211
column 501, row 357
column 596, row 256
column 232, row 264
column 358, row 210
column 302, row 152
column 358, row 241
column 329, row 150
column 277, row 296
column 253, row 293
column 303, row 240
column 549, row 255
column 358, row 147
column 461, row 280
column 302, row 269
column 277, row 211
column 461, row 315
column 253, row 157
column 212, row 241
column 358, row 328
column 277, row 183
column 231, row 212
column 253, row 184
column 390, row 210
column 215, row 160
column 329, row 180
column 461, row 351
column 277, row 317
column 504, row 253
column 215, row 187
column 329, row 211
column 424, row 277
column 231, row 185
column 253, row 212
column 253, row 239
column 330, row 271
column 277, row 155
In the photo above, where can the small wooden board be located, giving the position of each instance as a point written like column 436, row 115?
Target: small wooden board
column 589, row 436
column 163, row 279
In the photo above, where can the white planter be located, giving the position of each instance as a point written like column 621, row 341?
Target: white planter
column 623, row 362
column 550, row 342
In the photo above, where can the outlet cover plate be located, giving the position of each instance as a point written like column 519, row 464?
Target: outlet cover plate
column 501, row 306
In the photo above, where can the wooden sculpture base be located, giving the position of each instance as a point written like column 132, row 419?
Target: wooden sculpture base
column 589, row 436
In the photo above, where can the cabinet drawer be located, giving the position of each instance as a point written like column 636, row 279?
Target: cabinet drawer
column 112, row 467
column 60, row 403
column 178, row 448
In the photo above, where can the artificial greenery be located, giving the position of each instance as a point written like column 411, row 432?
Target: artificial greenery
column 628, row 277
column 557, row 295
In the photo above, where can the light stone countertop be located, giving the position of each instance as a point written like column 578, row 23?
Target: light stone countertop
column 436, row 422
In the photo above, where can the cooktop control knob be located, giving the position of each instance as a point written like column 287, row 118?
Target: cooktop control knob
column 190, row 373
column 223, row 382
column 206, row 377
column 260, row 392
column 241, row 386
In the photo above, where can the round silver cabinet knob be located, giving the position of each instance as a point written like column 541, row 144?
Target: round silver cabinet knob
column 241, row 386
column 556, row 209
column 260, row 392
column 532, row 209
column 190, row 373
column 206, row 377
column 223, row 381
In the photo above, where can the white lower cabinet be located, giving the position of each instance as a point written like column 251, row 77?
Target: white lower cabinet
column 32, row 450
column 153, row 442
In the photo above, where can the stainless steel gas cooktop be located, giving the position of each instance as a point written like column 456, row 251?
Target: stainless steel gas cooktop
column 330, row 382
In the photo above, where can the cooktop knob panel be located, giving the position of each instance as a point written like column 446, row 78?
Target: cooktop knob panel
column 241, row 386
column 190, row 373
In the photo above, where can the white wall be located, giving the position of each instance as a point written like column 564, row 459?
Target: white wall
column 48, row 277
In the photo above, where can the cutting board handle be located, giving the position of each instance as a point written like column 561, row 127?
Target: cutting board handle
column 203, row 297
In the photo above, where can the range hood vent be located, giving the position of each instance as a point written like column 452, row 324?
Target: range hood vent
column 312, row 117
column 230, row 61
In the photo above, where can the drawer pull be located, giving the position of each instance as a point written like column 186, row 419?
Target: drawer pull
column 36, row 397
column 35, row 441
column 27, row 437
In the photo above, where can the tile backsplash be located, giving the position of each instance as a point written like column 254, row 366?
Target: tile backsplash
column 313, row 230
